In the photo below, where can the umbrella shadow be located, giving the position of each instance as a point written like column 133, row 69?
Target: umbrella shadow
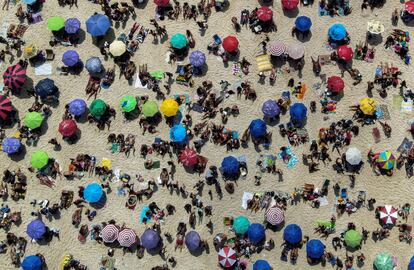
column 101, row 203
column 303, row 37
column 75, row 138
column 28, row 84
column 291, row 13
column 110, row 36
column 196, row 253
column 19, row 156
column 81, row 35
column 374, row 40
column 271, row 121
column 277, row 62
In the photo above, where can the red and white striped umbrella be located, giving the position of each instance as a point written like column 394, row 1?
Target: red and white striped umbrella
column 275, row 216
column 127, row 237
column 109, row 233
column 227, row 257
column 277, row 48
column 388, row 214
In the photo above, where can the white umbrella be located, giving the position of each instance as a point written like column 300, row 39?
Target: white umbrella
column 353, row 156
column 296, row 51
column 375, row 27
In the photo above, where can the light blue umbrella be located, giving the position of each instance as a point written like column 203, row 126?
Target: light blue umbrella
column 178, row 133
column 337, row 32
column 97, row 25
column 197, row 58
column 94, row 65
column 93, row 193
column 72, row 25
column 29, row 2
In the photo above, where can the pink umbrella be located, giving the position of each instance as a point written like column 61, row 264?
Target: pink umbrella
column 109, row 233
column 296, row 51
column 277, row 48
column 227, row 257
column 127, row 237
column 275, row 216
column 388, row 214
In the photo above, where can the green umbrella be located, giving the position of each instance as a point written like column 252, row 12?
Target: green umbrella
column 33, row 120
column 55, row 23
column 149, row 109
column 39, row 159
column 97, row 107
column 352, row 238
column 241, row 224
column 128, row 103
column 178, row 41
column 383, row 261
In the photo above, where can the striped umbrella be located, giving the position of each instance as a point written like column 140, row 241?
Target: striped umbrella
column 388, row 214
column 5, row 107
column 127, row 237
column 109, row 233
column 275, row 216
column 227, row 256
column 277, row 48
column 386, row 160
column 14, row 77
column 296, row 51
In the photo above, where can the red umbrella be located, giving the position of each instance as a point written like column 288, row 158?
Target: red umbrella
column 162, row 3
column 335, row 84
column 14, row 77
column 409, row 7
column 264, row 14
column 5, row 107
column 188, row 157
column 388, row 214
column 290, row 4
column 68, row 127
column 230, row 44
column 345, row 53
column 227, row 256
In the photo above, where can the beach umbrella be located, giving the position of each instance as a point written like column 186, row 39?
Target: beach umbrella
column 117, row 48
column 409, row 7
column 383, row 261
column 5, row 107
column 162, row 3
column 150, row 239
column 257, row 128
column 14, row 77
column 368, row 106
column 11, row 145
column 353, row 238
column 386, row 160
column 277, row 48
column 270, row 108
column 197, row 58
column 230, row 166
column 298, row 112
column 303, row 23
column 315, row 249
column 178, row 41
column 188, row 157
column 70, row 58
column 149, row 108
column 275, row 216
column 128, row 103
column 93, row 193
column 335, row 84
column 169, row 107
column 345, row 53
column 127, row 238
column 97, row 107
column 337, row 32
column 36, row 229
column 39, row 159
column 264, row 14
column 30, row 51
column 353, row 156
column 68, row 127
column 411, row 264
column 388, row 214
column 45, row 87
column 227, row 257
column 178, row 133
column 29, row 2
column 77, row 107
column 230, row 44
column 261, row 265
column 72, row 25
column 109, row 233
column 55, row 23
column 256, row 233
column 375, row 27
column 33, row 120
column 292, row 234
column 192, row 241
column 241, row 225
column 97, row 25
column 32, row 262
column 290, row 4
column 296, row 51
column 93, row 65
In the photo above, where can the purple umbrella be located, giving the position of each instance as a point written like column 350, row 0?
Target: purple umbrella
column 72, row 25
column 192, row 241
column 11, row 145
column 270, row 108
column 36, row 229
column 197, row 58
column 70, row 58
column 77, row 107
column 150, row 239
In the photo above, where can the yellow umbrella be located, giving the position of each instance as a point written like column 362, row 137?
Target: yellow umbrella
column 368, row 106
column 65, row 261
column 117, row 48
column 29, row 51
column 169, row 107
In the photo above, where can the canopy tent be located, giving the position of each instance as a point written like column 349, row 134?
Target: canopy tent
column 72, row 25
column 337, row 32
column 352, row 238
column 315, row 249
column 68, row 127
column 77, row 107
column 178, row 41
column 55, row 23
column 188, row 157
column 290, row 4
column 162, row 3
column 383, row 261
column 296, row 51
column 169, row 107
column 127, row 238
column 270, row 108
column 230, row 166
column 192, row 241
column 353, row 156
column 97, row 107
column 93, row 193
column 368, row 106
column 32, row 262
column 197, row 58
column 277, row 48
column 45, row 87
column 298, row 112
column 257, row 128
column 5, row 107
column 128, row 103
column 388, row 214
column 227, row 257
column 261, row 265
column 33, row 120
column 230, row 44
column 149, row 108
column 93, row 65
column 15, row 77
column 336, row 85
column 117, row 48
column 386, row 160
column 275, row 216
column 109, row 233
column 292, row 234
column 36, row 229
column 178, row 133
column 70, row 58
column 11, row 145
column 241, row 225
column 303, row 23
column 97, row 25
column 150, row 239
column 264, row 14
column 345, row 53
column 256, row 233
column 39, row 159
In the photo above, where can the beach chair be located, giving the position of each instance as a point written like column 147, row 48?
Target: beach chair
column 217, row 39
column 344, row 193
column 308, row 189
column 50, row 55
column 123, row 37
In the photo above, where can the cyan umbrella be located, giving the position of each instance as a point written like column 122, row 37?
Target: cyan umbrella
column 32, row 262
column 72, row 25
column 77, row 107
column 257, row 128
column 197, row 58
column 192, row 241
column 256, row 233
column 36, row 229
column 29, row 2
column 337, row 32
column 315, row 249
column 70, row 58
column 178, row 41
column 303, row 23
column 97, row 25
column 261, row 265
column 241, row 225
column 230, row 166
column 150, row 239
column 93, row 65
column 178, row 133
column 270, row 108
column 93, row 193
column 292, row 234
column 11, row 145
column 298, row 112
column 45, row 87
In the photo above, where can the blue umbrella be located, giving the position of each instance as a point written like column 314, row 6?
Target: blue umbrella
column 257, row 128
column 270, row 108
column 303, row 23
column 97, row 25
column 93, row 193
column 45, row 87
column 261, row 265
column 298, row 112
column 77, row 107
column 150, row 239
column 315, row 249
column 32, row 262
column 192, row 241
column 11, row 145
column 230, row 166
column 178, row 133
column 70, row 58
column 256, row 233
column 94, row 65
column 72, row 25
column 337, row 32
column 292, row 234
column 197, row 58
column 411, row 264
column 36, row 229
column 29, row 2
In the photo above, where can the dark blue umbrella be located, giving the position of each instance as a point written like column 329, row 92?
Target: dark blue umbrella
column 315, row 249
column 292, row 234
column 257, row 128
column 97, row 25
column 72, row 25
column 411, row 264
column 11, row 145
column 192, row 241
column 261, row 265
column 256, row 233
column 36, row 229
column 94, row 65
column 197, row 58
column 270, row 108
column 32, row 262
column 298, row 112
column 303, row 23
column 45, row 87
column 77, row 107
column 70, row 58
column 150, row 239
column 230, row 166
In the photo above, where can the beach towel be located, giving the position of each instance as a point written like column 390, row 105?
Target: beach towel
column 263, row 63
column 246, row 196
column 385, row 112
column 185, row 99
column 323, row 201
column 43, row 69
column 242, row 158
column 144, row 210
column 396, row 101
column 3, row 30
column 293, row 159
column 378, row 113
column 405, row 145
column 325, row 59
column 235, row 69
column 323, row 12
column 138, row 83
column 407, row 106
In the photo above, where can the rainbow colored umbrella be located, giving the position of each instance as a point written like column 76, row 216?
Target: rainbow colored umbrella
column 386, row 160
